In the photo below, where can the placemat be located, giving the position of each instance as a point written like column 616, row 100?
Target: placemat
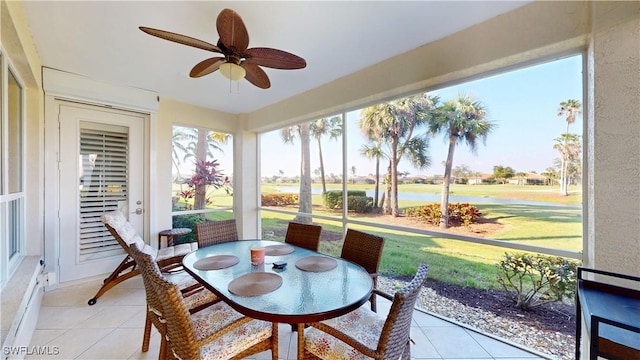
column 216, row 262
column 316, row 263
column 255, row 284
column 275, row 250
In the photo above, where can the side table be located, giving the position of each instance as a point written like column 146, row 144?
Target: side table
column 611, row 314
column 170, row 234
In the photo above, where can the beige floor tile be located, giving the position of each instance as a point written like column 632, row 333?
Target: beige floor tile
column 64, row 317
column 113, row 328
column 76, row 295
column 138, row 319
column 111, row 317
column 154, row 349
column 75, row 341
column 134, row 297
column 118, row 344
column 43, row 337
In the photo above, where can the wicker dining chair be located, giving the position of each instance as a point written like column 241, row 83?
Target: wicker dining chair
column 167, row 258
column 217, row 332
column 216, row 232
column 195, row 296
column 365, row 250
column 365, row 334
column 303, row 235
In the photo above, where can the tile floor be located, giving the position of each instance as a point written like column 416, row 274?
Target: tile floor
column 68, row 328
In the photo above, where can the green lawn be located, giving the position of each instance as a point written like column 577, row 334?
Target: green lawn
column 461, row 262
column 453, row 261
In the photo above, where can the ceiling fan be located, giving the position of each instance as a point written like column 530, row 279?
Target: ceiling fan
column 238, row 61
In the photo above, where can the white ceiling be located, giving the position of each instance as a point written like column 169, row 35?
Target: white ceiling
column 101, row 40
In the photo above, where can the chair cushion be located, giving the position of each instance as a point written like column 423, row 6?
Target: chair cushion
column 183, row 281
column 214, row 318
column 363, row 325
column 127, row 233
column 176, row 250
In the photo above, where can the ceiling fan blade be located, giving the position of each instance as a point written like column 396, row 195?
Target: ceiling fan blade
column 274, row 58
column 233, row 33
column 181, row 39
column 256, row 76
column 206, row 67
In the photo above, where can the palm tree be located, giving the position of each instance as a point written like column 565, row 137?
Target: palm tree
column 569, row 146
column 200, row 144
column 207, row 141
column 374, row 151
column 569, row 109
column 460, row 120
column 289, row 134
column 319, row 128
column 394, row 123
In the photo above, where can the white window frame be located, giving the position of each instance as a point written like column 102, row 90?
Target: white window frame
column 9, row 265
column 232, row 147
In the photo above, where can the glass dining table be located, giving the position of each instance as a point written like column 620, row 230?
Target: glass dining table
column 311, row 287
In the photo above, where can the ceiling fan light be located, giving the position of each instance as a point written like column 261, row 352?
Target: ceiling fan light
column 232, row 71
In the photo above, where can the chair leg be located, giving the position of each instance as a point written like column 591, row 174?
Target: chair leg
column 147, row 332
column 164, row 348
column 274, row 341
column 117, row 277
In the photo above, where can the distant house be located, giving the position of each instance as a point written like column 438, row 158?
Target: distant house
column 529, row 179
column 480, row 179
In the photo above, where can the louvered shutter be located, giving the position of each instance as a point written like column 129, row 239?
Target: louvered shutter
column 103, row 186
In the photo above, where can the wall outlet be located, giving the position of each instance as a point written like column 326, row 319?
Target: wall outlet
column 50, row 279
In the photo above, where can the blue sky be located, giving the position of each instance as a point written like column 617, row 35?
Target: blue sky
column 523, row 104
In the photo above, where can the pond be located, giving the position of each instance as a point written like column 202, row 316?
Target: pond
column 432, row 197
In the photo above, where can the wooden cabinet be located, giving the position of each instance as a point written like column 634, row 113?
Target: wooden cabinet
column 611, row 313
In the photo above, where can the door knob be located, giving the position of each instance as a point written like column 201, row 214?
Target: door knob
column 139, row 211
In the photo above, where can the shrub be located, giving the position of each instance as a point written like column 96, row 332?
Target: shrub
column 360, row 204
column 533, row 280
column 279, row 199
column 186, row 221
column 459, row 213
column 333, row 199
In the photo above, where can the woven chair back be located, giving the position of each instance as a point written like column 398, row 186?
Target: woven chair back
column 363, row 249
column 145, row 264
column 216, row 232
column 303, row 235
column 178, row 320
column 394, row 340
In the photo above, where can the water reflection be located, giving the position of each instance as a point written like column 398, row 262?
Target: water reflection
column 428, row 197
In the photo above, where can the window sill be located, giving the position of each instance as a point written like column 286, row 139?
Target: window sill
column 16, row 299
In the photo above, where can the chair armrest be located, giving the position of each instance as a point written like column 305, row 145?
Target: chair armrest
column 204, row 306
column 381, row 293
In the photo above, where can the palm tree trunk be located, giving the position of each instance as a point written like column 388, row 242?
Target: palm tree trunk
column 200, row 198
column 386, row 203
column 375, row 199
column 563, row 190
column 394, row 178
column 305, row 176
column 444, row 203
column 324, row 183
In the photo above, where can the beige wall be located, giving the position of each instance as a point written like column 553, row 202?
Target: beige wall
column 614, row 194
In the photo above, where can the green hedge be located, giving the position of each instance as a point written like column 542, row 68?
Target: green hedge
column 358, row 200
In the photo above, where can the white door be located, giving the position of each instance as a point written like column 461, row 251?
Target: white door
column 101, row 169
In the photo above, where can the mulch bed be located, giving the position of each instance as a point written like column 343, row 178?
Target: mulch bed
column 554, row 316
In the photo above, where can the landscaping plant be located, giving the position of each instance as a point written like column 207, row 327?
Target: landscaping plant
column 533, row 280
